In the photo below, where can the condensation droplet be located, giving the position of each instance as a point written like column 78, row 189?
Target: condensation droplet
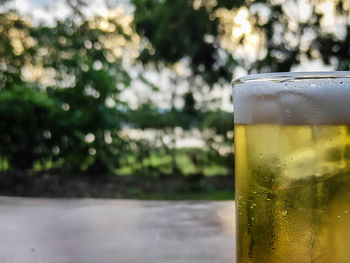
column 338, row 216
column 346, row 211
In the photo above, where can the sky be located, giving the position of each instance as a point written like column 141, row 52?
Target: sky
column 39, row 9
column 48, row 10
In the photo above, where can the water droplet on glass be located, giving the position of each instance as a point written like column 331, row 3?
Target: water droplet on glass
column 346, row 211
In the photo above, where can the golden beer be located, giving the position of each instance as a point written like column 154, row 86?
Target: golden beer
column 293, row 171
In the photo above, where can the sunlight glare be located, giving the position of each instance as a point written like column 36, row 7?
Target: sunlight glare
column 242, row 22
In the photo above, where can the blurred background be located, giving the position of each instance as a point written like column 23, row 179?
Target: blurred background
column 132, row 98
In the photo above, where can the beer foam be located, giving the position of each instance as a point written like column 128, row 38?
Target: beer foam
column 292, row 98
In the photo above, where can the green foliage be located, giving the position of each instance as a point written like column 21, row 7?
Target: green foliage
column 27, row 116
column 291, row 38
column 162, row 22
column 148, row 116
column 68, row 123
column 220, row 121
column 16, row 48
column 75, row 120
column 76, row 52
column 177, row 30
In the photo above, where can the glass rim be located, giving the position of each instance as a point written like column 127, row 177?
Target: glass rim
column 291, row 76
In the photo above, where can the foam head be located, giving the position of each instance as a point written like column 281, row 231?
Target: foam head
column 293, row 98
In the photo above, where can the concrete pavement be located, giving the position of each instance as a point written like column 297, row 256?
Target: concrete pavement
column 115, row 231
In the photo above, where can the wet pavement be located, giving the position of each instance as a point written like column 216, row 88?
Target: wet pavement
column 115, row 231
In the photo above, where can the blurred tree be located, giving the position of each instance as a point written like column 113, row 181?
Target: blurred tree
column 73, row 118
column 187, row 32
column 16, row 49
column 148, row 116
column 190, row 103
column 293, row 32
column 27, row 116
column 60, row 85
column 220, row 144
column 276, row 35
column 89, row 77
column 333, row 44
column 185, row 29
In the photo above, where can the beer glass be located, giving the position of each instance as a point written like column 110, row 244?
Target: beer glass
column 292, row 154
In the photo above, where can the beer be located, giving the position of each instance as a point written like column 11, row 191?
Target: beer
column 293, row 171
